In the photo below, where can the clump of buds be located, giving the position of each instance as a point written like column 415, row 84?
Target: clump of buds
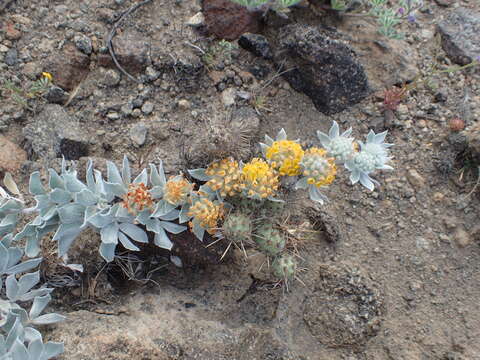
column 456, row 124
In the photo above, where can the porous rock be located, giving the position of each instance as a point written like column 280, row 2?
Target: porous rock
column 131, row 50
column 54, row 133
column 68, row 67
column 256, row 44
column 228, row 20
column 11, row 156
column 472, row 135
column 324, row 69
column 460, row 38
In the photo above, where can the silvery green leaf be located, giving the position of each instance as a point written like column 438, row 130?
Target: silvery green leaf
column 162, row 240
column 316, row 195
column 71, row 213
column 117, row 189
column 10, row 184
column 163, row 208
column 55, row 181
column 11, row 206
column 66, row 241
column 52, row 349
column 172, row 215
column 100, row 220
column 11, row 287
column 198, row 231
column 67, row 230
column 8, row 224
column 301, row 184
column 109, row 233
column 199, row 174
column 60, row 196
column 35, row 185
column 35, row 348
column 39, row 304
column 122, row 212
column 107, row 251
column 89, row 176
column 126, row 173
column 43, row 201
column 100, row 185
column 282, row 135
column 28, row 230
column 32, row 247
column 172, row 227
column 113, row 175
column 19, row 351
column 271, row 198
column 153, row 225
column 183, row 216
column 15, row 333
column 32, row 294
column 142, row 178
column 48, row 319
column 264, row 148
column 64, row 165
column 32, row 334
column 134, row 232
column 176, row 261
column 3, row 193
column 72, row 184
column 86, row 198
column 24, row 266
column 156, row 192
column 27, row 282
column 157, row 177
column 4, row 259
column 11, row 258
column 48, row 213
column 127, row 244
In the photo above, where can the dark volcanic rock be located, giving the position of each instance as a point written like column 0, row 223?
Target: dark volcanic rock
column 227, row 20
column 69, row 67
column 53, row 133
column 256, row 44
column 326, row 70
column 460, row 35
column 56, row 95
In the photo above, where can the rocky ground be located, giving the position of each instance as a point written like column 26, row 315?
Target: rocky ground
column 390, row 274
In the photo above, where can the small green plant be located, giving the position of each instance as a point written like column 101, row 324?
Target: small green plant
column 222, row 51
column 22, row 96
column 272, row 4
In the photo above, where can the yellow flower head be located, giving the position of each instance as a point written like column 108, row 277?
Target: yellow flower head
column 207, row 214
column 176, row 190
column 318, row 168
column 258, row 179
column 137, row 198
column 48, row 76
column 225, row 177
column 285, row 156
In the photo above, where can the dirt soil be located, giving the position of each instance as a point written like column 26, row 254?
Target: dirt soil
column 400, row 278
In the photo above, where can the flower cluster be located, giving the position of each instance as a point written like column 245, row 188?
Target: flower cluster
column 258, row 179
column 176, row 190
column 225, row 177
column 206, row 214
column 137, row 198
column 318, row 169
column 285, row 157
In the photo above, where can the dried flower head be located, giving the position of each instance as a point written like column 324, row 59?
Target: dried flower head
column 258, row 179
column 137, row 198
column 176, row 190
column 225, row 177
column 207, row 214
column 319, row 169
column 285, row 157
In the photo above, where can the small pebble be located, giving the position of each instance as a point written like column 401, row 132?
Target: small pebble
column 147, row 108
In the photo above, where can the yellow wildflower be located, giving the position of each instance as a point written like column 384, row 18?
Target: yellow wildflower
column 176, row 190
column 137, row 198
column 48, row 76
column 207, row 214
column 285, row 156
column 225, row 177
column 258, row 179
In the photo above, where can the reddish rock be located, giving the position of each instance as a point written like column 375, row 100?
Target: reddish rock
column 69, row 67
column 11, row 156
column 227, row 20
column 11, row 33
column 131, row 50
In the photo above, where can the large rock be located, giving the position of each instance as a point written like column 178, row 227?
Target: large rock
column 472, row 135
column 227, row 20
column 131, row 50
column 11, row 156
column 326, row 70
column 68, row 67
column 460, row 35
column 54, row 133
